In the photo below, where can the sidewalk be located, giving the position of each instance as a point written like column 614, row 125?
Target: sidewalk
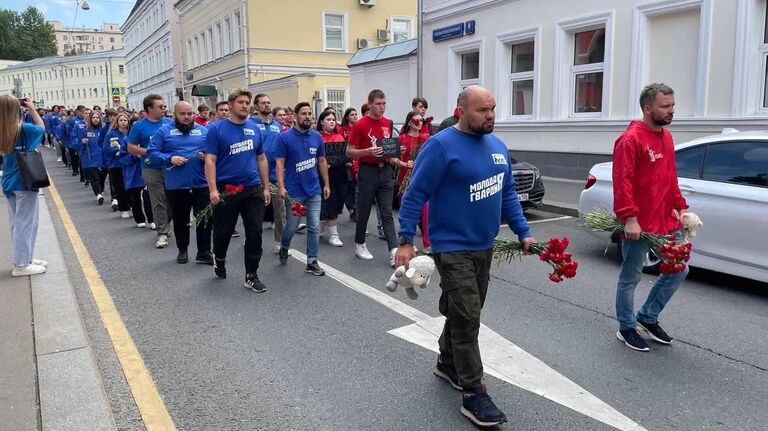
column 49, row 378
column 562, row 195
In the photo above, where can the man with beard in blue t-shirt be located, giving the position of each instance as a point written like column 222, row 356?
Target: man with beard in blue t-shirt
column 234, row 158
column 298, row 153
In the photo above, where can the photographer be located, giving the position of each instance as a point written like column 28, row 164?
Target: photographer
column 15, row 137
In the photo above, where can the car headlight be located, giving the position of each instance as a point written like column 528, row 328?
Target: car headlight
column 536, row 174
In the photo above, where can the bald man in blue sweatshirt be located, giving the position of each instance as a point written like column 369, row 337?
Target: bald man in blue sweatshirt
column 465, row 174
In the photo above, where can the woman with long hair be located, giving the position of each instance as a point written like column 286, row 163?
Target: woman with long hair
column 132, row 181
column 118, row 131
column 23, row 214
column 412, row 139
column 91, row 155
column 337, row 179
column 349, row 120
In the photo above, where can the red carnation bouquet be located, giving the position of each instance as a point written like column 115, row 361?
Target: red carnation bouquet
column 206, row 213
column 297, row 208
column 553, row 252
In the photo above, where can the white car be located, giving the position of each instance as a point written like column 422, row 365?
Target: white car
column 724, row 178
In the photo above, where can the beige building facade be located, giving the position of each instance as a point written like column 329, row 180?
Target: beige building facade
column 88, row 79
column 83, row 40
column 301, row 56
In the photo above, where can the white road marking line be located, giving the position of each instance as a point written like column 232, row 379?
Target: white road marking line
column 501, row 358
column 543, row 220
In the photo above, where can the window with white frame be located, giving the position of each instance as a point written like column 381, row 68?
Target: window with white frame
column 227, row 39
column 218, row 47
column 470, row 69
column 401, row 29
column 337, row 98
column 333, row 31
column 196, row 53
column 202, row 49
column 237, row 32
column 190, row 64
column 521, row 78
column 764, row 56
column 587, row 70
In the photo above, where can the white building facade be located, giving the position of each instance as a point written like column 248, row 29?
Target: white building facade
column 567, row 76
column 151, row 56
column 83, row 40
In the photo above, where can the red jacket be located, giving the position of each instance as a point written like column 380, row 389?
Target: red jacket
column 645, row 179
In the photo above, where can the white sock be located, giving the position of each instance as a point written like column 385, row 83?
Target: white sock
column 333, row 230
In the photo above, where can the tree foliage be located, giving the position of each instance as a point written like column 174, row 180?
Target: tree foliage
column 25, row 35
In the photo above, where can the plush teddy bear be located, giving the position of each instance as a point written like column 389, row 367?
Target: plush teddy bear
column 690, row 223
column 419, row 271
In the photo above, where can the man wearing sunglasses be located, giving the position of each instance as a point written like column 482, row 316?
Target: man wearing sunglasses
column 152, row 172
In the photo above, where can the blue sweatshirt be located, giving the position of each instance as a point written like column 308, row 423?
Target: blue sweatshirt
column 300, row 151
column 141, row 133
column 167, row 142
column 111, row 155
column 468, row 182
column 131, row 164
column 236, row 147
column 269, row 133
column 90, row 153
column 33, row 135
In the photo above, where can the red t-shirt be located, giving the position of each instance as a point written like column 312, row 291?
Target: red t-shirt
column 200, row 121
column 367, row 132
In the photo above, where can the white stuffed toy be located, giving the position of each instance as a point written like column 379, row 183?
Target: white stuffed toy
column 419, row 271
column 690, row 223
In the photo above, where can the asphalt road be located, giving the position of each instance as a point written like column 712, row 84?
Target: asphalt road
column 311, row 353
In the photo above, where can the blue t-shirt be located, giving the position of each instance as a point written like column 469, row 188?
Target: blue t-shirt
column 141, row 133
column 110, row 154
column 32, row 136
column 269, row 133
column 468, row 182
column 236, row 147
column 90, row 153
column 167, row 142
column 300, row 151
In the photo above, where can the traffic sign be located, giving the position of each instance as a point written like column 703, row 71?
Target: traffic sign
column 116, row 99
column 115, row 91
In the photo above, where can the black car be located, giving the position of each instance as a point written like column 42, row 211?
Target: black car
column 529, row 187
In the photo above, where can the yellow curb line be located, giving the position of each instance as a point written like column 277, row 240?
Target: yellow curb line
column 145, row 394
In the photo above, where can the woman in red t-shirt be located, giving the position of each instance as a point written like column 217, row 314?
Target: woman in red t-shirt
column 412, row 139
column 337, row 177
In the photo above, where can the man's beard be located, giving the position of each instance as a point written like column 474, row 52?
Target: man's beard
column 305, row 125
column 481, row 129
column 184, row 128
column 661, row 121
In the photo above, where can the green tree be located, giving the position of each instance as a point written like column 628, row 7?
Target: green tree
column 25, row 35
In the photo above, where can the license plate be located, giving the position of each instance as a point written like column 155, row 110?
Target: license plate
column 522, row 197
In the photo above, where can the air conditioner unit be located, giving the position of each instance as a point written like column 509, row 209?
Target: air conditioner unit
column 368, row 3
column 382, row 34
column 364, row 43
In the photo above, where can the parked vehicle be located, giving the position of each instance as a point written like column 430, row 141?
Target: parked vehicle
column 725, row 181
column 528, row 183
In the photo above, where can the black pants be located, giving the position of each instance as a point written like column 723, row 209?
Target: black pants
column 464, row 282
column 74, row 161
column 117, row 187
column 181, row 202
column 140, row 205
column 334, row 205
column 97, row 177
column 379, row 183
column 250, row 206
column 64, row 154
column 349, row 202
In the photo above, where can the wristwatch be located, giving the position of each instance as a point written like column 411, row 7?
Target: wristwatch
column 401, row 240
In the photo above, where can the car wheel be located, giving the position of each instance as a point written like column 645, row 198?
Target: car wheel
column 651, row 260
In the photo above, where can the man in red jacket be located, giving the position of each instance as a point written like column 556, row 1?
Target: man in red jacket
column 646, row 198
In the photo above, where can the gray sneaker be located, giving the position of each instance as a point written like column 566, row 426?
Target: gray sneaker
column 162, row 241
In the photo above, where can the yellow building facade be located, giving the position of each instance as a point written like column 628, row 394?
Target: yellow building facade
column 293, row 50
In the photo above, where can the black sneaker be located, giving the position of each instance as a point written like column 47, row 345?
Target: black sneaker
column 447, row 373
column 655, row 332
column 633, row 340
column 314, row 268
column 479, row 408
column 235, row 234
column 252, row 282
column 182, row 257
column 219, row 269
column 381, row 233
column 283, row 255
column 205, row 258
column 301, row 229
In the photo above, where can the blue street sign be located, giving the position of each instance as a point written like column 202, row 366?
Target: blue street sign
column 450, row 32
column 469, row 27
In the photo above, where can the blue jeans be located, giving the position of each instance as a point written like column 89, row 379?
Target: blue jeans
column 23, row 215
column 313, row 204
column 629, row 275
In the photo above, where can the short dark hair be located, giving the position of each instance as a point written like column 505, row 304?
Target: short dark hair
column 301, row 105
column 364, row 109
column 222, row 102
column 375, row 94
column 150, row 100
column 109, row 111
column 259, row 96
column 417, row 100
column 95, row 107
column 79, row 108
column 202, row 107
column 648, row 95
column 239, row 93
column 277, row 109
column 323, row 116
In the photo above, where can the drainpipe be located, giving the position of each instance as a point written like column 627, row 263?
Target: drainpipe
column 244, row 32
column 420, row 51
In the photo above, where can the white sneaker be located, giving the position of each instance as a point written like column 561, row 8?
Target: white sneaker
column 335, row 241
column 58, row 160
column 40, row 262
column 153, row 226
column 141, row 225
column 162, row 241
column 125, row 214
column 100, row 198
column 362, row 252
column 114, row 204
column 392, row 254
column 32, row 269
column 301, row 229
column 277, row 249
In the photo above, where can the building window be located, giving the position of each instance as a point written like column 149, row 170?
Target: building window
column 521, row 78
column 196, row 53
column 121, row 68
column 201, row 53
column 587, row 70
column 764, row 55
column 112, row 40
column 470, row 69
column 209, row 45
column 189, row 54
column 336, row 97
column 333, row 32
column 237, row 32
column 401, row 29
column 218, row 44
column 226, row 40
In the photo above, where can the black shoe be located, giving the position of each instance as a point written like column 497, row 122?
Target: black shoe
column 381, row 233
column 655, row 332
column 479, row 408
column 87, row 184
column 633, row 340
column 205, row 258
column 314, row 268
column 182, row 257
column 219, row 269
column 283, row 255
column 235, row 234
column 252, row 282
column 447, row 373
column 301, row 229
column 74, row 174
